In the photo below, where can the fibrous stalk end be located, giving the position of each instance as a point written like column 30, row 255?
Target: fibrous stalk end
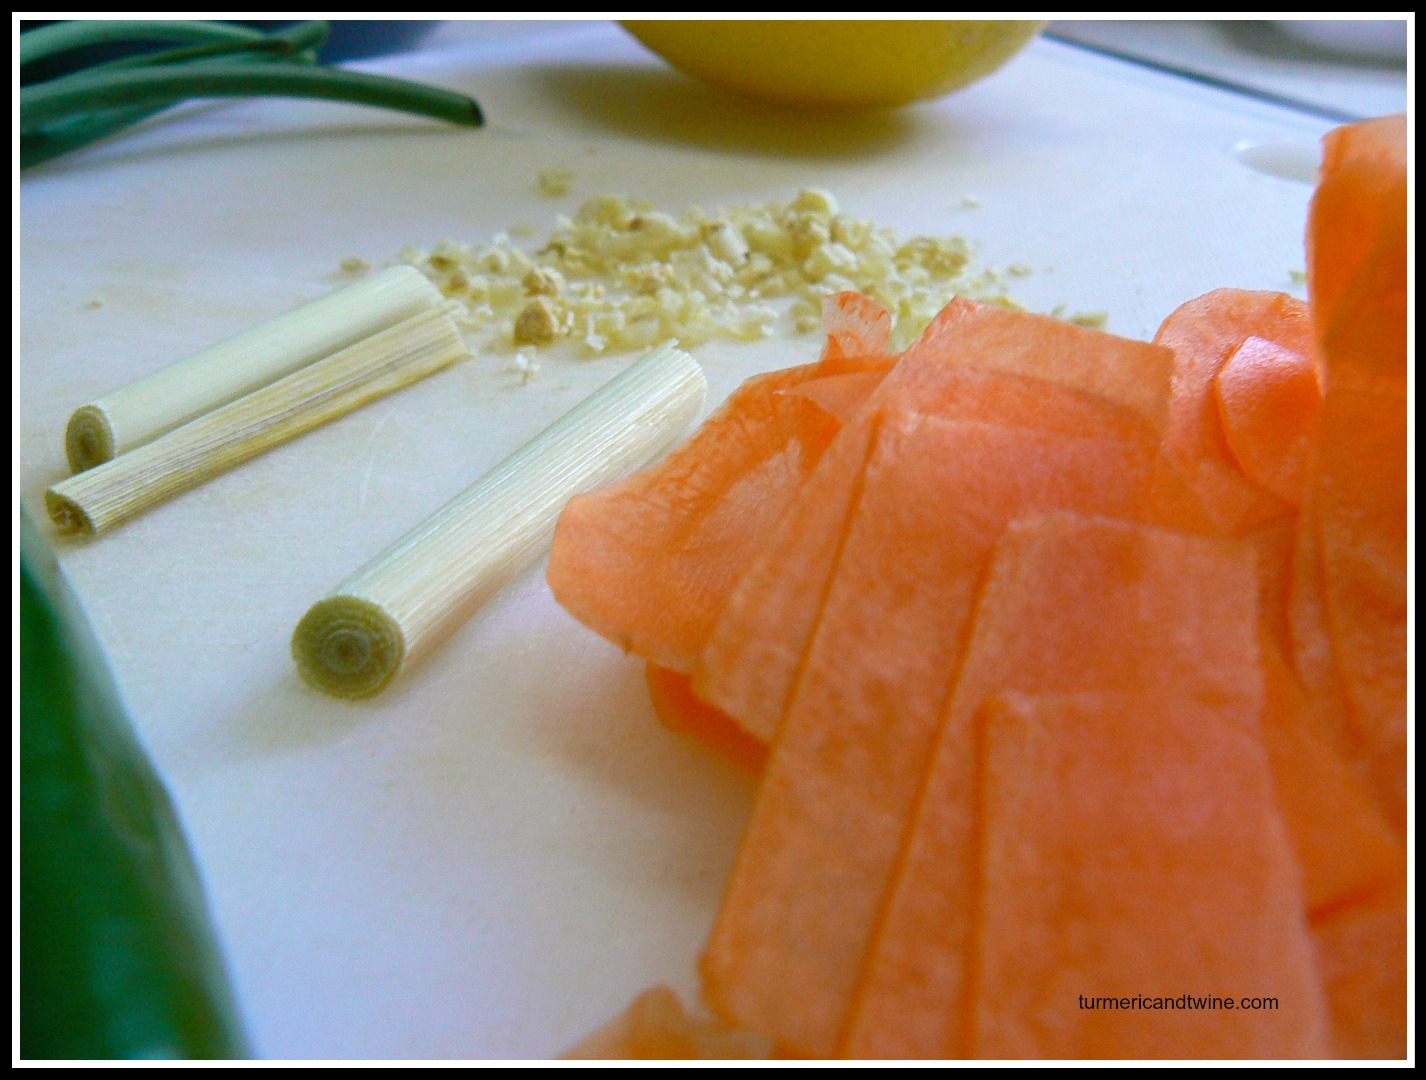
column 348, row 647
column 68, row 518
column 88, row 439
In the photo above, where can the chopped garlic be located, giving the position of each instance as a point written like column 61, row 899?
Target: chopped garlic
column 815, row 200
column 829, row 258
column 538, row 324
column 727, row 244
column 698, row 274
column 543, row 281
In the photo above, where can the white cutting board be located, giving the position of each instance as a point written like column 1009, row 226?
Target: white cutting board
column 493, row 857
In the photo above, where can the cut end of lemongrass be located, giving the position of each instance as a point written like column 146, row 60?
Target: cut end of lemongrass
column 68, row 516
column 88, row 439
column 348, row 647
column 434, row 578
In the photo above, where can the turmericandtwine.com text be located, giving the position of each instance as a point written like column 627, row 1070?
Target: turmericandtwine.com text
column 1182, row 1001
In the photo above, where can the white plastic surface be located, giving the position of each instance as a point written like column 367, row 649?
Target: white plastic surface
column 495, row 855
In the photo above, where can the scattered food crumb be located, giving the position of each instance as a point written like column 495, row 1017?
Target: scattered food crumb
column 537, row 324
column 355, row 267
column 93, row 303
column 524, row 367
column 555, row 182
column 543, row 281
column 1093, row 320
column 970, row 202
column 1297, row 277
column 1019, row 270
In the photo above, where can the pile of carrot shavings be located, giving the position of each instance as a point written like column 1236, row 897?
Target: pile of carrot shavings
column 1073, row 666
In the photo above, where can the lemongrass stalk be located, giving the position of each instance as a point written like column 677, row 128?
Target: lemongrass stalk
column 392, row 612
column 145, row 409
column 99, row 498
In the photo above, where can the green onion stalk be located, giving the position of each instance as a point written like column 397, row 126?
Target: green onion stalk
column 208, row 60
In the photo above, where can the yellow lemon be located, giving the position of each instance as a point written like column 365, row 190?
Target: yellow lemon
column 842, row 62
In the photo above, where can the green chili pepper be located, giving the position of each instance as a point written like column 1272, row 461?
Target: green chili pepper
column 117, row 957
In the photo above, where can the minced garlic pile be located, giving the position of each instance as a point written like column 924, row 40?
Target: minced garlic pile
column 623, row 275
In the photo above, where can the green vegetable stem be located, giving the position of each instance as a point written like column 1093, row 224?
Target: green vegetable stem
column 211, row 60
